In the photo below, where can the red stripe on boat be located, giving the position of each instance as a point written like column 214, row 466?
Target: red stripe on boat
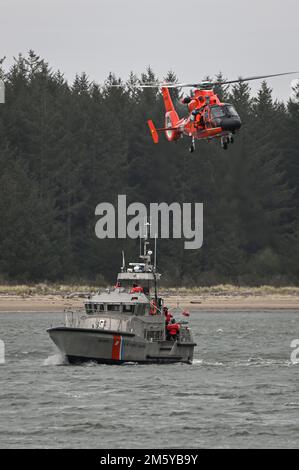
column 116, row 348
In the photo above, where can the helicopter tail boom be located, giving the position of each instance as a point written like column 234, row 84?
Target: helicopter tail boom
column 171, row 116
column 167, row 99
column 171, row 120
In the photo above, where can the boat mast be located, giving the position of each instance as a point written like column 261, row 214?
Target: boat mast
column 155, row 254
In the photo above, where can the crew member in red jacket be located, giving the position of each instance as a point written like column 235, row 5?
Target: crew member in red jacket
column 173, row 330
column 136, row 289
column 167, row 314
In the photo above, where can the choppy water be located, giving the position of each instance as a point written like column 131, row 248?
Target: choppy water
column 241, row 391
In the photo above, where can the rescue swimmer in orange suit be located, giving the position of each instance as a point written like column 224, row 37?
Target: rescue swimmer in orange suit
column 195, row 108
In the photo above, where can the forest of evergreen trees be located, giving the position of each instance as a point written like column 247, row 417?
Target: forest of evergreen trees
column 65, row 148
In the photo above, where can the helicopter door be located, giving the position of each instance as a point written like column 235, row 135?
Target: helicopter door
column 206, row 117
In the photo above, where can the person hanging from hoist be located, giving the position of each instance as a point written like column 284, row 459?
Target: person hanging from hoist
column 195, row 106
column 197, row 117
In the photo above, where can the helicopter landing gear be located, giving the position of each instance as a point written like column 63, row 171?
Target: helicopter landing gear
column 227, row 140
column 224, row 143
column 192, row 146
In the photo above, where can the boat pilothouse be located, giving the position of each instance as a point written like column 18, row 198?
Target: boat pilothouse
column 126, row 323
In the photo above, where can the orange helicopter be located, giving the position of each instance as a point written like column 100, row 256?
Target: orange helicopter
column 208, row 118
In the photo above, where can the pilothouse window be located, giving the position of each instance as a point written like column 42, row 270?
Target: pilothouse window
column 140, row 309
column 99, row 307
column 153, row 335
column 113, row 308
column 88, row 308
column 128, row 308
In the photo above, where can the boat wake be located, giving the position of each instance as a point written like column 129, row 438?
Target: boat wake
column 203, row 362
column 55, row 360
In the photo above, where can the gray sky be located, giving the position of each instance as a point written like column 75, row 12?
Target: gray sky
column 194, row 38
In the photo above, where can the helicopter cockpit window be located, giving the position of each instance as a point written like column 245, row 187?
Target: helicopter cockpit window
column 230, row 110
column 217, row 111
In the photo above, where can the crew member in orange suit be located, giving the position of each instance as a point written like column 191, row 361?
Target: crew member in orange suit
column 173, row 330
column 167, row 314
column 136, row 289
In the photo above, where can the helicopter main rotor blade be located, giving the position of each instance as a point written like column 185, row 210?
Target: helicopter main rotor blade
column 228, row 82
column 204, row 83
column 163, row 84
column 153, row 85
column 248, row 79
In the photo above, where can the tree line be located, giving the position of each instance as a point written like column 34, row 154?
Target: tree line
column 65, row 147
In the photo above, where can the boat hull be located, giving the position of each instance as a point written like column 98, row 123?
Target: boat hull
column 112, row 347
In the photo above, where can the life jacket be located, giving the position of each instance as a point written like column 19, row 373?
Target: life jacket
column 153, row 308
column 173, row 328
column 136, row 290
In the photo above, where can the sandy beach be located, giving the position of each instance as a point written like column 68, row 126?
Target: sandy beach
column 223, row 299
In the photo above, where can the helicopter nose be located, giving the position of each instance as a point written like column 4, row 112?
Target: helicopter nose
column 231, row 123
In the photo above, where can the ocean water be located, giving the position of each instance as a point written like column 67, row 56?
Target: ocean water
column 242, row 390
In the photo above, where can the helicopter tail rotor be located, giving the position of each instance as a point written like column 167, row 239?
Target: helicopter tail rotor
column 172, row 132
